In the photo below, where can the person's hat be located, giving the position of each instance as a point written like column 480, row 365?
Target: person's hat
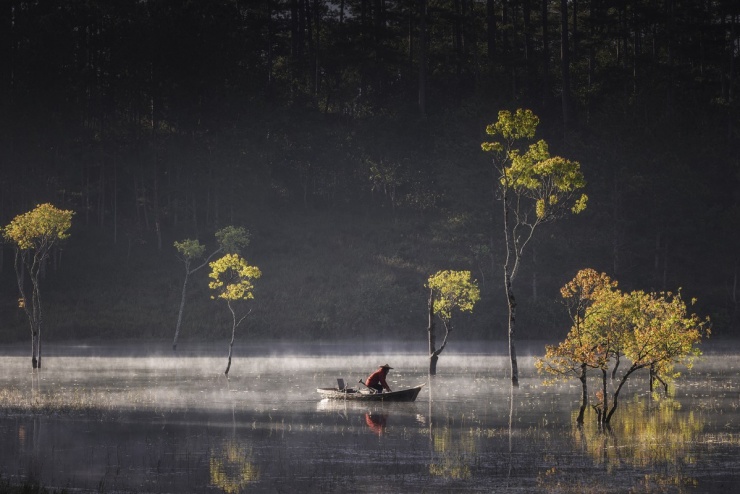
column 385, row 366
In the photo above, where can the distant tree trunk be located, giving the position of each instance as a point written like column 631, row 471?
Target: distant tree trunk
column 317, row 48
column 182, row 306
column 565, row 63
column 422, row 56
column 268, row 88
column 491, row 30
column 458, row 40
column 115, row 199
column 527, row 21
column 545, row 55
column 575, row 38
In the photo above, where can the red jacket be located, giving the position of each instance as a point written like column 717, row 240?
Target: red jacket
column 378, row 377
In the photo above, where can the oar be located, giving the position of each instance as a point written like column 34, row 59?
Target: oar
column 368, row 387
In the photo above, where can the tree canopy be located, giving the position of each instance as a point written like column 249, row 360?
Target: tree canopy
column 652, row 331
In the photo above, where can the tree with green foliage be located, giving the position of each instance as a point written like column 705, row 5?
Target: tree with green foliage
column 448, row 291
column 231, row 279
column 34, row 235
column 534, row 188
column 231, row 240
column 652, row 331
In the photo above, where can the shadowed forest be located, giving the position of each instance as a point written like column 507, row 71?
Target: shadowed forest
column 345, row 136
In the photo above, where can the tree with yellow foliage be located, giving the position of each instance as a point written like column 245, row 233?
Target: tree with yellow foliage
column 651, row 331
column 231, row 278
column 231, row 240
column 34, row 235
column 448, row 291
column 534, row 188
column 579, row 351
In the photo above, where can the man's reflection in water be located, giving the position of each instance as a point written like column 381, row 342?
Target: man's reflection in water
column 376, row 421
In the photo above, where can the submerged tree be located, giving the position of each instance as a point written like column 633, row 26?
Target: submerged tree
column 534, row 188
column 34, row 234
column 231, row 240
column 582, row 349
column 232, row 279
column 448, row 291
column 651, row 331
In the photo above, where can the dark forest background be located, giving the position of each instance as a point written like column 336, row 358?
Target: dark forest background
column 345, row 136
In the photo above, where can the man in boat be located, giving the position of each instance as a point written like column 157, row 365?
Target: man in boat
column 376, row 380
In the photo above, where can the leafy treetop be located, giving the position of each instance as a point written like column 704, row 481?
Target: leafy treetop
column 232, row 278
column 453, row 290
column 551, row 181
column 40, row 228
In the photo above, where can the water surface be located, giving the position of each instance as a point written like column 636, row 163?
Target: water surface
column 148, row 421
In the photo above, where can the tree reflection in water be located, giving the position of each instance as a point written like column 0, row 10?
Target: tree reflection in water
column 652, row 435
column 232, row 468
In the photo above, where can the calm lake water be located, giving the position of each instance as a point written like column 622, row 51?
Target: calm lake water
column 146, row 421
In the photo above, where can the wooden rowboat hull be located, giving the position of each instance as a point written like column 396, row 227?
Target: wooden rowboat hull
column 353, row 394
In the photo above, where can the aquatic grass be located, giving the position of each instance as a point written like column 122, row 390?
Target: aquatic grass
column 77, row 401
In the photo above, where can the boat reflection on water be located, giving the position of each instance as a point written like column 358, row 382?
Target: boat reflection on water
column 379, row 418
column 376, row 421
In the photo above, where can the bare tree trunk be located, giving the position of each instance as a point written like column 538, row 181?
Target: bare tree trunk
column 512, row 331
column 233, row 336
column 605, row 399
column 510, row 299
column 182, row 308
column 433, row 356
column 584, row 394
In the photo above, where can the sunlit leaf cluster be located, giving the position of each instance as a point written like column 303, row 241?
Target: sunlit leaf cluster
column 453, row 290
column 39, row 228
column 551, row 182
column 231, row 278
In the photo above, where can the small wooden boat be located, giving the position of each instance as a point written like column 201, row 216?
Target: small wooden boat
column 409, row 394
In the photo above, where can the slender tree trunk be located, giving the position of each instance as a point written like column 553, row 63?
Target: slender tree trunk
column 268, row 88
column 233, row 336
column 433, row 356
column 115, row 199
column 182, row 308
column 512, row 330
column 491, row 30
column 510, row 299
column 605, row 399
column 584, row 394
column 545, row 55
column 565, row 63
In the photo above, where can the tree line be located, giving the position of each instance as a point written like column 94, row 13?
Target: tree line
column 161, row 120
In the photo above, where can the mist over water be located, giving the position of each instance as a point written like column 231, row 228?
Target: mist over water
column 142, row 419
